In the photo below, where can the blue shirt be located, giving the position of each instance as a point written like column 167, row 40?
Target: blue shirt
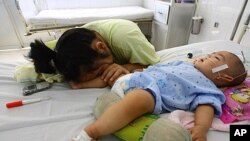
column 178, row 85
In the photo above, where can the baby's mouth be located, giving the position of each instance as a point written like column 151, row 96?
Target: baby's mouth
column 194, row 61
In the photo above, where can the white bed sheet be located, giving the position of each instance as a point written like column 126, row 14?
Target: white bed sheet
column 68, row 111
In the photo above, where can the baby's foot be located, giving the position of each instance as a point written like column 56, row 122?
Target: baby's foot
column 82, row 136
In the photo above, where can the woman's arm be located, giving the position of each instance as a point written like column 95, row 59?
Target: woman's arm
column 204, row 115
column 94, row 83
column 114, row 71
column 110, row 75
column 133, row 67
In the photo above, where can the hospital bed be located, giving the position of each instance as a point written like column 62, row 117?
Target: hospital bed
column 69, row 111
column 38, row 15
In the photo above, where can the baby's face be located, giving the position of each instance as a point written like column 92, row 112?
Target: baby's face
column 216, row 59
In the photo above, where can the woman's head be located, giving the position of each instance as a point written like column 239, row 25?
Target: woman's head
column 77, row 52
column 223, row 68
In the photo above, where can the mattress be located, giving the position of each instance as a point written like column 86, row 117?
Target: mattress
column 62, row 17
column 69, row 111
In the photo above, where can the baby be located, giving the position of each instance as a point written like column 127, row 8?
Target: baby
column 167, row 87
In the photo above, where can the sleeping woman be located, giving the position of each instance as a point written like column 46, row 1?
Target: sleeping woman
column 97, row 53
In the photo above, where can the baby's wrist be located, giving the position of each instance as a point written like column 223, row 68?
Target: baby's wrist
column 202, row 128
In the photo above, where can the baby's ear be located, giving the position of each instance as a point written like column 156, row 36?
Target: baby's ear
column 225, row 77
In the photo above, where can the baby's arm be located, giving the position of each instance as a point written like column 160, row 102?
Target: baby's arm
column 204, row 115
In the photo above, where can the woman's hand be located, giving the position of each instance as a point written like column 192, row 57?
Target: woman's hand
column 75, row 85
column 113, row 72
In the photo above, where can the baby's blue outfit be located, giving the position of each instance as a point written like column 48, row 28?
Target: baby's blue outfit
column 175, row 85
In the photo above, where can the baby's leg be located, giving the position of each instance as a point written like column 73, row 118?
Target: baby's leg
column 134, row 104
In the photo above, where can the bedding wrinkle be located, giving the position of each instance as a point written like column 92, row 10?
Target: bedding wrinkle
column 10, row 123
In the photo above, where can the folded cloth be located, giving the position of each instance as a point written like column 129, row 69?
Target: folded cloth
column 26, row 73
column 56, row 77
column 186, row 119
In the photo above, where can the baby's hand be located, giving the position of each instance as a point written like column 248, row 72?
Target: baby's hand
column 198, row 133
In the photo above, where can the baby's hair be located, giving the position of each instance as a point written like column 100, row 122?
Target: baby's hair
column 72, row 56
column 237, row 70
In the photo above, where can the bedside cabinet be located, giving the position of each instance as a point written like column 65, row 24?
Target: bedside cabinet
column 172, row 24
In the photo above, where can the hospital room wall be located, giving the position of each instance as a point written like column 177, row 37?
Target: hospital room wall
column 8, row 36
column 220, row 19
column 223, row 12
column 13, row 28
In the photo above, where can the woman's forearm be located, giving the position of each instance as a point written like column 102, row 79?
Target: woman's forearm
column 94, row 83
column 132, row 67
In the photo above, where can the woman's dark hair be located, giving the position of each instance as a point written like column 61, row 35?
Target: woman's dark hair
column 72, row 55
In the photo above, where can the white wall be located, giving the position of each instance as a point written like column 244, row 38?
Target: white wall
column 245, row 40
column 150, row 4
column 8, row 37
column 223, row 12
column 19, row 25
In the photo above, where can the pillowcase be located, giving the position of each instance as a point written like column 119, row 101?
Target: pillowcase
column 136, row 130
column 237, row 105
